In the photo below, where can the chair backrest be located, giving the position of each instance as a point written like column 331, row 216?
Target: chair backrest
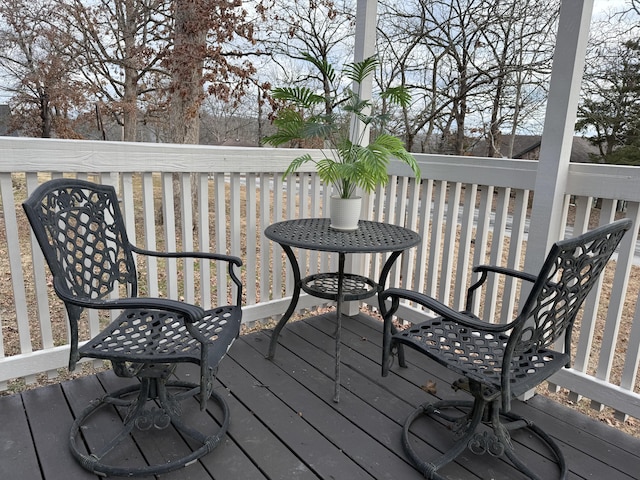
column 81, row 232
column 569, row 273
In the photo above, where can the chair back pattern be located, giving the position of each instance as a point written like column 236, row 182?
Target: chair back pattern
column 570, row 271
column 80, row 230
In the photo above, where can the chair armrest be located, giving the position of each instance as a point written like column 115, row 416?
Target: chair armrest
column 232, row 260
column 205, row 255
column 462, row 318
column 505, row 271
column 192, row 313
column 484, row 271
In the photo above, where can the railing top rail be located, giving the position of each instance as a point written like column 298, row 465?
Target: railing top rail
column 20, row 154
column 87, row 156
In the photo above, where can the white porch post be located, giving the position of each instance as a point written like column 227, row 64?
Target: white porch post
column 364, row 47
column 557, row 136
column 365, row 43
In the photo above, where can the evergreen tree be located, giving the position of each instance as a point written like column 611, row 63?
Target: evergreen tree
column 611, row 105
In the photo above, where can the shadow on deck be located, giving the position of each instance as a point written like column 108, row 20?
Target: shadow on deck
column 284, row 424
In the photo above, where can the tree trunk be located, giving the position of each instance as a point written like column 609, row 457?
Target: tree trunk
column 45, row 114
column 130, row 106
column 493, row 138
column 130, row 94
column 187, row 62
column 187, row 95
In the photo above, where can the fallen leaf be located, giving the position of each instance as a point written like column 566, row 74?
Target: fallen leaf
column 430, row 387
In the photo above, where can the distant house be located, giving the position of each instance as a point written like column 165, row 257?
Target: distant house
column 528, row 147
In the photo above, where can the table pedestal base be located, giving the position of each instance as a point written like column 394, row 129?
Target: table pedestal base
column 316, row 234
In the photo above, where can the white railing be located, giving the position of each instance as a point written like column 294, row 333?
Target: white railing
column 468, row 211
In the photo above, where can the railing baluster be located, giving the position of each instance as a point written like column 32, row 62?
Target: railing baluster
column 251, row 260
column 149, row 225
column 450, row 241
column 220, row 203
column 492, row 301
column 204, row 237
column 265, row 221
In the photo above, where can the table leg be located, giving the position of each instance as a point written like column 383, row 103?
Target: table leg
column 292, row 305
column 382, row 285
column 339, row 300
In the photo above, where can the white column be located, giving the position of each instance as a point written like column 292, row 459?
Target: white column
column 557, row 137
column 365, row 46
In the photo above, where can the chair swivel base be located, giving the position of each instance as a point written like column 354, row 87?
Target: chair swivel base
column 153, row 404
column 496, row 440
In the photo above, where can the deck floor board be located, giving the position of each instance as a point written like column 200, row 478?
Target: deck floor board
column 284, row 424
column 18, row 457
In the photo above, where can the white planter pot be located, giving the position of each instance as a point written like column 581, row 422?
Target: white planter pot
column 345, row 213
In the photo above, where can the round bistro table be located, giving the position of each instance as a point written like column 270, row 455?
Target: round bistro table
column 317, row 234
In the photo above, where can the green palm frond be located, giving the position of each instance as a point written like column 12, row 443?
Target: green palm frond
column 356, row 104
column 328, row 170
column 399, row 95
column 288, row 116
column 389, row 142
column 359, row 71
column 380, row 119
column 301, row 96
column 324, row 67
column 315, row 129
column 296, row 163
column 395, row 147
column 290, row 126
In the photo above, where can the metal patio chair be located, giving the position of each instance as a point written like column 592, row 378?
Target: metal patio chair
column 80, row 229
column 499, row 362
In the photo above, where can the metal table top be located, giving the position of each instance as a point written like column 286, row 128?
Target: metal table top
column 316, row 234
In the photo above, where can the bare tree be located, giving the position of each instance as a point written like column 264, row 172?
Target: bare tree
column 207, row 58
column 474, row 66
column 37, row 71
column 407, row 57
column 222, row 123
column 118, row 46
column 519, row 49
column 445, row 37
column 322, row 29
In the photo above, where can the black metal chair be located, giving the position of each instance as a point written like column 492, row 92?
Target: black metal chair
column 81, row 232
column 499, row 362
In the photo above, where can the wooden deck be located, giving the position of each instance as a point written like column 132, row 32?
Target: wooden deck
column 284, row 424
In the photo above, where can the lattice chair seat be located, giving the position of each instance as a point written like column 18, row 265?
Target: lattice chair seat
column 81, row 232
column 479, row 355
column 499, row 362
column 147, row 334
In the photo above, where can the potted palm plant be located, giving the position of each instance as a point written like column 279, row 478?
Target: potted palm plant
column 348, row 161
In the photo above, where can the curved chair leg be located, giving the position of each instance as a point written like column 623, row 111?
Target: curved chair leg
column 165, row 411
column 465, row 430
column 467, row 423
column 552, row 446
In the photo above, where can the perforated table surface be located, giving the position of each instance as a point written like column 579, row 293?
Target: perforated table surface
column 317, row 234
